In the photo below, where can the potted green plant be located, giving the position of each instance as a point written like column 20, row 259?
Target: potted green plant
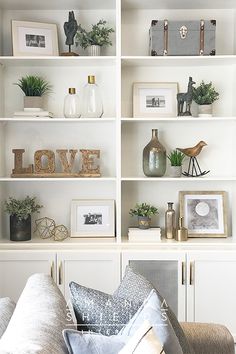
column 34, row 88
column 204, row 95
column 20, row 211
column 176, row 160
column 93, row 40
column 144, row 212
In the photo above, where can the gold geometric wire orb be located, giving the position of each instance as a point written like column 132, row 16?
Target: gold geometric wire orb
column 44, row 227
column 60, row 233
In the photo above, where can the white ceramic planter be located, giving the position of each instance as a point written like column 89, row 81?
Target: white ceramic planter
column 175, row 171
column 94, row 50
column 205, row 110
column 33, row 102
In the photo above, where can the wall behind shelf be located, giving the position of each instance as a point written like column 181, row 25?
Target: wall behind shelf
column 85, row 17
column 55, row 197
column 152, row 192
column 223, row 78
column 61, row 79
column 136, row 24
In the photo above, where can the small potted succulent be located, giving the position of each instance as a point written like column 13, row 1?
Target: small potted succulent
column 204, row 95
column 93, row 40
column 144, row 212
column 34, row 88
column 20, row 211
column 176, row 160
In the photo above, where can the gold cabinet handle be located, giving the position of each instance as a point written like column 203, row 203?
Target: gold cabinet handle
column 183, row 273
column 52, row 270
column 60, row 273
column 191, row 280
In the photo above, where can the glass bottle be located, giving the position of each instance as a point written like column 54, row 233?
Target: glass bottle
column 154, row 157
column 170, row 222
column 72, row 104
column 92, row 106
column 182, row 232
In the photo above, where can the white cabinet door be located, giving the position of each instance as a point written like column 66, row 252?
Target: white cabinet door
column 17, row 266
column 165, row 270
column 95, row 269
column 212, row 288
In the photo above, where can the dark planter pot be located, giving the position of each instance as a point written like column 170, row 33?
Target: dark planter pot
column 144, row 222
column 20, row 230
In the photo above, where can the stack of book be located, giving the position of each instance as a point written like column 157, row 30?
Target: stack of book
column 149, row 235
column 33, row 113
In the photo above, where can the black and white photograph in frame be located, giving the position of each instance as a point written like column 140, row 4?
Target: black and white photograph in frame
column 92, row 218
column 34, row 39
column 204, row 213
column 154, row 99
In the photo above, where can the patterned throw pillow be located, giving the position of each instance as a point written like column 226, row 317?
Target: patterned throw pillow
column 143, row 341
column 135, row 287
column 100, row 312
column 152, row 310
column 7, row 307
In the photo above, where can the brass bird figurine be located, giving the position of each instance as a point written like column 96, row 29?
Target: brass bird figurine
column 193, row 166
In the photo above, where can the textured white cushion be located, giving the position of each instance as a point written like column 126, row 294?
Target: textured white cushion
column 143, row 341
column 7, row 307
column 38, row 320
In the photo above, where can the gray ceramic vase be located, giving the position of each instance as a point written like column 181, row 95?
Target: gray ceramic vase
column 144, row 222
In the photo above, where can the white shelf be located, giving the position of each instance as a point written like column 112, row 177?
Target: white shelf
column 223, row 60
column 57, row 61
column 67, row 179
column 57, row 4
column 180, row 119
column 179, row 179
column 57, row 120
column 180, row 4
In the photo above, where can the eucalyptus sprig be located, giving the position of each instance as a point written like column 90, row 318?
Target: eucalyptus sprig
column 205, row 94
column 34, row 85
column 22, row 208
column 143, row 209
column 99, row 35
column 176, row 158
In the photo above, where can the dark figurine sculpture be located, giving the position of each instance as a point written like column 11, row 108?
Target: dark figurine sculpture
column 186, row 98
column 194, row 169
column 70, row 29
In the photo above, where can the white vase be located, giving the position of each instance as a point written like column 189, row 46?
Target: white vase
column 94, row 50
column 175, row 171
column 205, row 110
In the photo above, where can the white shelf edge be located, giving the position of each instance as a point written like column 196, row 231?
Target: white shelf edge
column 171, row 179
column 59, row 120
column 179, row 119
column 90, row 179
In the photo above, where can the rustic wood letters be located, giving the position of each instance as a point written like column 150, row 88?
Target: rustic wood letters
column 18, row 162
column 49, row 157
column 88, row 161
column 67, row 165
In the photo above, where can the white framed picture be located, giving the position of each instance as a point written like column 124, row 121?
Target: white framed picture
column 155, row 99
column 205, row 213
column 93, row 218
column 34, row 39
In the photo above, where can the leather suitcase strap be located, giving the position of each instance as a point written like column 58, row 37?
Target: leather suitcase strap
column 165, row 37
column 202, row 28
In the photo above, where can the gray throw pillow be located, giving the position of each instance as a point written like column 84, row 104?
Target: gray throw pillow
column 153, row 310
column 92, row 343
column 7, row 307
column 135, row 287
column 38, row 320
column 100, row 312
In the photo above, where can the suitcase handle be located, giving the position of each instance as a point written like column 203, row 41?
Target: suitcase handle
column 165, row 52
column 202, row 39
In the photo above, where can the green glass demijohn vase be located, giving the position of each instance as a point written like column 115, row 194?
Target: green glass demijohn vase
column 154, row 157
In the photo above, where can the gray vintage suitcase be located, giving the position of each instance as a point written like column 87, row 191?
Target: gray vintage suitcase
column 182, row 37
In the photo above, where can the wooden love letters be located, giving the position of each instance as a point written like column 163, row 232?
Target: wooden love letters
column 45, row 164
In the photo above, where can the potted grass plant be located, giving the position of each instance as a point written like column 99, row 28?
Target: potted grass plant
column 20, row 211
column 204, row 95
column 176, row 160
column 144, row 212
column 34, row 88
column 93, row 40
